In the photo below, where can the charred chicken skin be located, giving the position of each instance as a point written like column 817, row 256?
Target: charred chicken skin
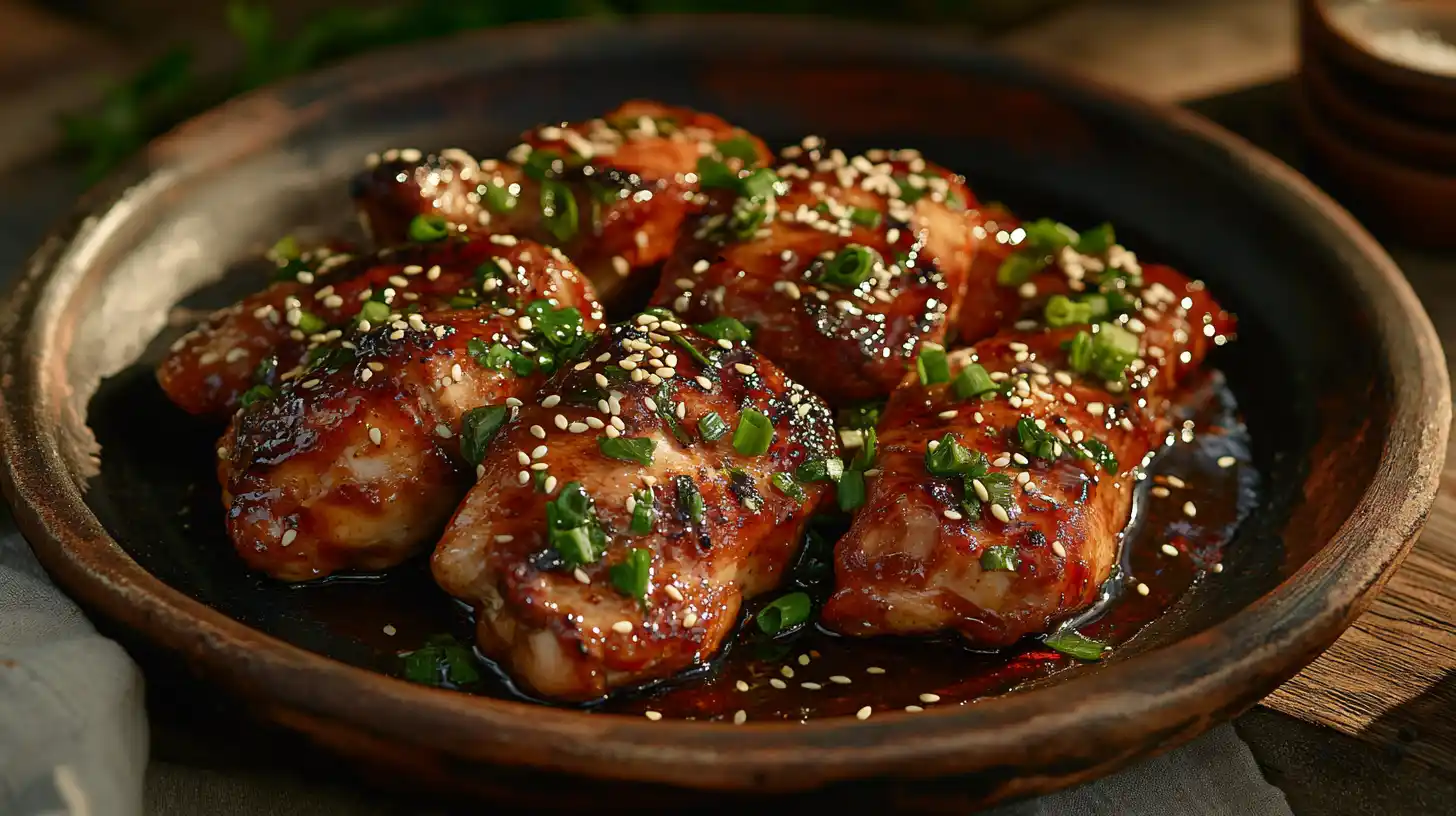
column 842, row 266
column 622, row 517
column 1003, row 486
column 610, row 192
column 359, row 458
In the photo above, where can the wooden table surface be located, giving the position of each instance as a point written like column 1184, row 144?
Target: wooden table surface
column 1390, row 682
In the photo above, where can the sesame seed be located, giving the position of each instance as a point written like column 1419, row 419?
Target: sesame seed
column 652, row 715
column 1142, row 589
column 1019, row 459
column 929, row 697
column 803, row 660
column 739, row 717
column 1001, row 461
column 457, row 373
column 1160, row 491
column 673, row 592
column 561, row 421
column 443, row 431
column 595, row 423
column 1175, row 482
column 864, row 713
column 288, row 536
column 811, row 686
column 952, row 515
column 523, row 477
column 580, row 575
column 538, row 452
column 874, row 670
column 622, row 627
column 725, row 343
column 787, row 672
column 1059, row 549
column 1169, row 549
column 577, row 427
column 612, row 432
column 1189, row 509
column 1000, row 513
column 913, row 708
column 1095, row 408
column 313, row 383
column 665, row 373
column 743, row 368
column 741, row 686
column 376, row 436
column 539, row 466
column 690, row 620
column 390, row 630
column 777, row 683
column 840, row 679
column 538, row 432
column 951, row 414
column 1218, row 567
column 706, row 383
column 550, row 401
column 1227, row 461
column 505, row 538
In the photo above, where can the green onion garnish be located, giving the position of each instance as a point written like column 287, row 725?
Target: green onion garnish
column 1096, row 241
column 1000, row 558
column 852, row 266
column 712, row 427
column 572, row 528
column 1019, row 268
column 726, row 328
column 715, row 175
column 310, row 323
column 865, row 216
column 932, row 365
column 785, row 484
column 1063, row 311
column 1038, row 443
column 908, row 193
column 692, row 350
column 1079, row 352
column 558, row 210
column 257, row 393
column 689, row 499
column 643, row 513
column 637, row 449
column 998, row 488
column 950, row 458
column 500, row 357
column 761, row 185
column 285, row 250
column 424, row 229
column 542, row 163
column 741, row 148
column 784, row 613
column 973, row 381
column 820, row 470
column 442, row 661
column 754, row 435
column 1113, row 349
column 477, row 428
column 1074, row 644
column 851, row 490
column 632, row 574
column 498, row 197
column 1101, row 454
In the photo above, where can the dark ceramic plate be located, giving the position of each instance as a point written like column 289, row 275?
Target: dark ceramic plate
column 1337, row 369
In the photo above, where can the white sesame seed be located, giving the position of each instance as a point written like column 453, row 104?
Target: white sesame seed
column 1175, row 482
column 951, row 414
column 538, row 452
column 952, row 515
column 811, row 686
column 743, row 368
column 595, row 423
column 523, row 477
column 739, row 717
column 741, row 685
column 1000, row 513
column 1095, row 408
column 390, row 630
column 1160, row 491
column 622, row 627
column 288, row 536
column 580, row 575
column 612, row 432
column 538, row 432
column 929, row 697
column 706, row 383
column 665, row 373
column 673, row 592
column 787, row 671
column 561, row 421
column 601, row 379
column 1189, row 509
column 652, row 715
column 913, row 708
column 505, row 538
column 1227, row 461
column 550, row 401
column 1001, row 461
column 539, row 466
column 1170, row 550
column 443, row 431
column 777, row 683
column 840, row 679
column 1142, row 589
column 578, row 427
column 376, row 436
column 864, row 713
column 874, row 670
column 1059, row 549
column 1218, row 567
column 690, row 620
column 725, row 343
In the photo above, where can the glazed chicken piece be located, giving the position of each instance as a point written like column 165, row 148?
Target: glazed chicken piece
column 358, row 461
column 620, row 521
column 999, row 516
column 610, row 192
column 841, row 266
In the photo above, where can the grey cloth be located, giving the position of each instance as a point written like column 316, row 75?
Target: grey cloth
column 73, row 739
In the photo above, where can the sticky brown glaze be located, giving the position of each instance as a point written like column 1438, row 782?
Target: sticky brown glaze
column 630, row 173
column 911, row 563
column 988, row 307
column 559, row 626
column 356, row 463
column 843, row 342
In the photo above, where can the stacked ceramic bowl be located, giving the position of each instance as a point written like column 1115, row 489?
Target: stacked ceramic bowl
column 1377, row 100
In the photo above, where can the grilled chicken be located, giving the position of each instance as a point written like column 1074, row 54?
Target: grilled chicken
column 610, row 192
column 619, row 522
column 358, row 460
column 1024, row 537
column 843, row 266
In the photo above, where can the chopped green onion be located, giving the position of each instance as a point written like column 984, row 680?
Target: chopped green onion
column 741, row 148
column 1000, row 558
column 1019, row 268
column 865, row 216
column 257, row 393
column 1046, row 235
column 689, row 499
column 463, row 301
column 851, row 490
column 560, row 328
column 861, row 416
column 761, row 185
column 852, row 266
column 908, row 193
column 310, row 323
column 1074, row 644
column 1079, row 352
column 754, row 435
column 820, row 470
column 665, row 412
column 715, row 175
column 478, row 427
column 1096, row 241
column 499, row 198
column 500, row 357
column 950, row 458
column 973, row 381
column 632, row 574
column 1098, row 304
column 932, row 365
column 572, row 528
column 712, row 427
column 424, row 229
column 628, row 449
column 864, row 458
column 1101, row 454
column 692, row 350
column 442, row 661
column 643, row 513
column 286, row 249
column 783, row 613
column 542, row 163
column 998, row 488
column 558, row 210
column 786, row 485
column 1113, row 349
column 1038, row 443
column 1063, row 311
column 726, row 328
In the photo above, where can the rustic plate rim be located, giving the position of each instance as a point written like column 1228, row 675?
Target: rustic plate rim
column 1290, row 624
